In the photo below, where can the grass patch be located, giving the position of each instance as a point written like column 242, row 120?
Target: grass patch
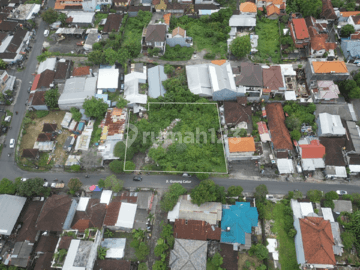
column 96, row 134
column 99, row 17
column 178, row 53
column 269, row 40
column 247, row 262
column 287, row 255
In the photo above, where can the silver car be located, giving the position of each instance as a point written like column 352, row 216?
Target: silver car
column 12, row 143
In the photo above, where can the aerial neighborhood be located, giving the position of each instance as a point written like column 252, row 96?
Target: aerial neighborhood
column 180, row 134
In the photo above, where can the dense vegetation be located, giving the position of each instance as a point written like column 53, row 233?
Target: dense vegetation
column 208, row 32
column 178, row 53
column 305, row 7
column 350, row 5
column 350, row 88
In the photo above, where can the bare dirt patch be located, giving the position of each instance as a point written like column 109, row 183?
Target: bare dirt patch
column 248, row 262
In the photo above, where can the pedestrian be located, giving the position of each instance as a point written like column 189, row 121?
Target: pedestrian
column 16, row 113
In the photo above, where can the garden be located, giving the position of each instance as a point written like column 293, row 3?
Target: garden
column 269, row 41
column 209, row 33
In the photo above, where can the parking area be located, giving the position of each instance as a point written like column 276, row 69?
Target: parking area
column 66, row 45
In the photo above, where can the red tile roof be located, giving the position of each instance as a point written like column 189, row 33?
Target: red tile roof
column 44, row 137
column 356, row 19
column 280, row 135
column 81, row 71
column 313, row 150
column 262, row 128
column 92, row 217
column 241, row 145
column 35, row 82
column 38, row 98
column 356, row 35
column 195, row 230
column 317, row 240
column 301, row 30
column 112, row 213
column 272, row 9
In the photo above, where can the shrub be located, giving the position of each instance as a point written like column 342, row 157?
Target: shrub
column 41, row 114
column 171, row 197
column 75, row 168
column 116, row 166
column 209, row 56
column 260, row 251
column 76, row 114
column 314, row 195
column 74, row 184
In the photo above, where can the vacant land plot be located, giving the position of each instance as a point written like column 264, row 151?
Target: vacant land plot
column 248, row 262
column 269, row 41
column 34, row 129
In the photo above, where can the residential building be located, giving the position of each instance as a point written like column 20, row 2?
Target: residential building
column 115, row 247
column 281, row 4
column 284, row 165
column 20, row 254
column 46, row 79
column 108, row 79
column 214, row 80
column 24, row 12
column 242, row 22
column 248, row 8
column 330, row 125
column 13, row 46
column 328, row 11
column 48, row 64
column 209, row 212
column 263, row 132
column 133, row 10
column 93, row 36
column 317, row 69
column 355, row 21
column 272, row 79
column 299, row 32
column 83, row 141
column 351, row 49
column 10, row 209
column 81, row 71
column 312, row 154
column 133, row 93
column 178, row 37
column 156, row 76
column 334, row 158
column 238, row 148
column 325, row 92
column 76, row 91
column 7, row 81
column 37, row 101
column 72, row 5
column 342, row 206
column 112, row 264
column 113, row 23
column 250, row 77
column 154, row 36
column 206, row 9
column 121, row 3
column 196, row 230
column 319, row 39
column 8, row 26
column 120, row 216
column 88, row 5
column 280, row 136
column 44, row 261
column 272, row 12
column 56, row 214
column 81, row 18
column 236, row 224
column 238, row 114
column 352, row 138
column 63, row 70
column 188, row 253
column 30, row 153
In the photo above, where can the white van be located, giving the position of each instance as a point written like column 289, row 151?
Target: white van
column 46, row 33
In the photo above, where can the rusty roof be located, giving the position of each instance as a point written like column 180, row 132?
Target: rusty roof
column 113, row 23
column 44, row 137
column 93, row 216
column 125, row 197
column 65, row 242
column 81, row 71
column 47, row 243
column 30, row 153
column 195, row 230
column 28, row 231
column 49, row 127
column 113, row 123
column 38, row 98
column 112, row 213
column 237, row 112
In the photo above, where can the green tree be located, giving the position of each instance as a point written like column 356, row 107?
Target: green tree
column 348, row 240
column 76, row 114
column 101, row 252
column 329, row 203
column 97, row 46
column 243, row 132
column 241, row 46
column 110, row 56
column 119, row 151
column 295, row 135
column 96, row 57
column 130, row 166
column 112, row 182
column 32, row 187
column 116, row 166
column 171, row 197
column 260, row 193
column 75, row 168
column 159, row 265
column 62, row 17
column 292, row 122
column 217, row 260
column 261, row 267
column 331, row 195
column 3, row 65
column 50, row 16
column 101, row 183
column 161, row 247
column 204, row 192
column 121, row 103
column 169, row 69
column 142, row 251
column 314, row 195
column 234, row 191
column 52, row 97
column 95, row 107
column 7, row 186
column 142, row 266
column 74, row 185
column 260, row 251
column 347, row 30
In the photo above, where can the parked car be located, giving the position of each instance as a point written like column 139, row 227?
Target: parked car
column 7, row 118
column 137, row 178
column 122, row 86
column 341, row 192
column 12, row 143
column 46, row 33
column 121, row 76
column 24, row 179
column 186, row 175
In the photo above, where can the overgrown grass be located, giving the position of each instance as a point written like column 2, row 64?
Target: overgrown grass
column 287, row 255
column 99, row 17
column 269, row 40
column 96, row 134
column 178, row 53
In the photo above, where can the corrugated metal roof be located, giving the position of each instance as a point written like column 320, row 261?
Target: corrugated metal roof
column 156, row 76
column 10, row 209
column 242, row 20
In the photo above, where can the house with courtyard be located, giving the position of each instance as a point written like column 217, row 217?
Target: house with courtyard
column 236, row 224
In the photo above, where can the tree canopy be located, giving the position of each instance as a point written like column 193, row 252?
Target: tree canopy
column 305, row 7
column 74, row 185
column 207, row 191
column 314, row 195
column 7, row 186
column 240, row 46
column 113, row 183
column 50, row 16
column 171, row 197
column 76, row 114
column 347, row 30
column 260, row 193
column 95, row 107
column 119, row 151
column 52, row 97
column 33, row 187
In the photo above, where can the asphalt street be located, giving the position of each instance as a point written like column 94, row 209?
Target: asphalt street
column 8, row 168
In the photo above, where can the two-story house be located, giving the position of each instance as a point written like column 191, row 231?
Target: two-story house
column 154, row 36
column 299, row 32
column 250, row 77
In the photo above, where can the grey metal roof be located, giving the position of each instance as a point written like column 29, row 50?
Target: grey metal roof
column 341, row 109
column 250, row 75
column 188, row 254
column 338, row 247
column 10, row 209
column 199, row 80
column 21, row 254
column 342, row 206
column 156, row 76
column 49, row 63
column 143, row 199
column 81, row 16
column 354, row 135
column 330, row 125
column 242, row 20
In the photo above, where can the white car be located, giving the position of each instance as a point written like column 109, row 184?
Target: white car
column 341, row 192
column 7, row 118
column 12, row 143
column 46, row 184
column 24, row 179
column 46, row 33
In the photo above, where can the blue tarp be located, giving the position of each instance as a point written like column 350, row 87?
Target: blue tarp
column 240, row 218
column 97, row 189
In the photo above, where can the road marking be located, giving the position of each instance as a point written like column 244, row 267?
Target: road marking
column 178, row 181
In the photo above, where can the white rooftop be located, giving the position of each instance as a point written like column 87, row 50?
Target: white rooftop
column 81, row 16
column 272, row 248
column 290, row 95
column 126, row 216
column 106, row 196
column 174, row 214
column 285, row 166
column 331, row 125
column 49, row 63
column 115, row 246
column 83, row 202
column 327, row 214
column 108, row 78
